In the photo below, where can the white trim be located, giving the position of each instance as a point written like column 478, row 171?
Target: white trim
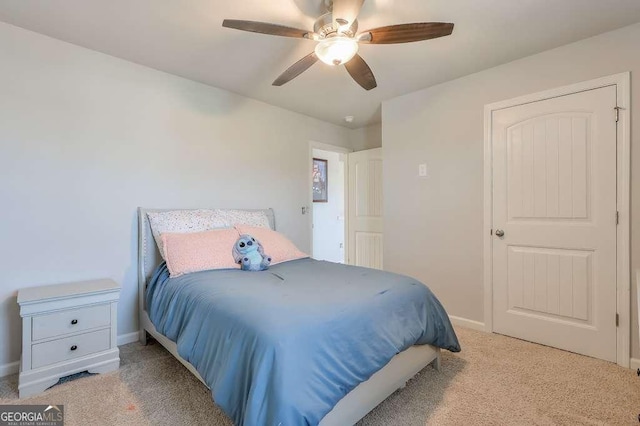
column 487, row 254
column 9, row 368
column 124, row 339
column 327, row 147
column 634, row 363
column 340, row 150
column 616, row 79
column 623, row 86
column 622, row 82
column 467, row 323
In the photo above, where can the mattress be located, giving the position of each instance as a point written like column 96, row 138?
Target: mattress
column 283, row 346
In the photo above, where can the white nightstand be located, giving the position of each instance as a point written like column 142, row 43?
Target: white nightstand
column 66, row 329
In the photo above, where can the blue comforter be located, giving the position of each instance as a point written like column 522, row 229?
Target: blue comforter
column 283, row 346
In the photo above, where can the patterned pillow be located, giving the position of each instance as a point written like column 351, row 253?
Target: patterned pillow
column 183, row 221
column 231, row 218
column 199, row 251
column 275, row 245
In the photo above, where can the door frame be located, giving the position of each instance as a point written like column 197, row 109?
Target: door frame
column 622, row 82
column 340, row 150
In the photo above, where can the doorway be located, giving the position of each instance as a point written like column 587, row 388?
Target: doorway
column 556, row 189
column 328, row 201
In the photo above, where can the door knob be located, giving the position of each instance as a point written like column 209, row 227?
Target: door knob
column 499, row 233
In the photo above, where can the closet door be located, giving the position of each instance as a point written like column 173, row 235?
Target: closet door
column 554, row 222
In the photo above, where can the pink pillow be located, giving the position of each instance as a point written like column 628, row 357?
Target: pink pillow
column 199, row 251
column 275, row 245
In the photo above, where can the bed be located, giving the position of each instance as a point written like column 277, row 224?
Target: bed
column 358, row 400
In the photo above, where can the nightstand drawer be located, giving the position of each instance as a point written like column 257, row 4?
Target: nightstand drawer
column 70, row 347
column 70, row 321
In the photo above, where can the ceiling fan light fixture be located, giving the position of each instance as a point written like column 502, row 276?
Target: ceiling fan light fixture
column 336, row 50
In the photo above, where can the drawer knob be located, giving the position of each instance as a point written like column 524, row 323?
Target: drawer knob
column 74, row 347
column 74, row 321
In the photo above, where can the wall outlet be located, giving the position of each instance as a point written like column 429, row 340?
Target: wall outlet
column 422, row 170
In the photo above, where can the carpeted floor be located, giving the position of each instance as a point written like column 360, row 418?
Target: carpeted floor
column 495, row 380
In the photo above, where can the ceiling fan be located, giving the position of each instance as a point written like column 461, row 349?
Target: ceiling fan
column 337, row 35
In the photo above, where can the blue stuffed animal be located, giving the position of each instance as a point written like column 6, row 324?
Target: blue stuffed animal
column 248, row 252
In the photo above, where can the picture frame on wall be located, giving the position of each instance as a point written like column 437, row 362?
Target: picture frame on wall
column 320, row 181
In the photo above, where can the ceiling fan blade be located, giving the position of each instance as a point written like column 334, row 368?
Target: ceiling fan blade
column 406, row 33
column 265, row 28
column 346, row 9
column 361, row 73
column 296, row 69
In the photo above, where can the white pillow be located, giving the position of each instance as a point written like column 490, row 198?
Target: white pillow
column 232, row 218
column 183, row 221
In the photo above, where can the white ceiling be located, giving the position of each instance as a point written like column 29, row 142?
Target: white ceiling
column 185, row 38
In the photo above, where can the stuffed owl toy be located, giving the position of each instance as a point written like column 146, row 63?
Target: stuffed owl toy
column 249, row 254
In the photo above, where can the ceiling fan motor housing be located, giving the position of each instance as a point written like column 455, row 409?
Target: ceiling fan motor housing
column 325, row 27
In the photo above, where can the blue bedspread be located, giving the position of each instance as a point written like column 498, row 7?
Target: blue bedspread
column 283, row 346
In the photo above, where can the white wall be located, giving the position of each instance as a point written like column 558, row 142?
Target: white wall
column 86, row 138
column 368, row 137
column 329, row 217
column 441, row 217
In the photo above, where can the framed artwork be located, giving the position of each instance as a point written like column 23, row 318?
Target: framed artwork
column 319, row 175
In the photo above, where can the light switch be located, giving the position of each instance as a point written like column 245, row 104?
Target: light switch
column 422, row 170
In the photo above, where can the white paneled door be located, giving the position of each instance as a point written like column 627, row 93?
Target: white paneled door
column 554, row 222
column 365, row 208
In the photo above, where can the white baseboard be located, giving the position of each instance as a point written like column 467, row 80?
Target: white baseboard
column 9, row 368
column 467, row 323
column 14, row 367
column 634, row 363
column 123, row 339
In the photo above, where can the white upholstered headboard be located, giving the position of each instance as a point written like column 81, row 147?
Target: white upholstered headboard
column 149, row 256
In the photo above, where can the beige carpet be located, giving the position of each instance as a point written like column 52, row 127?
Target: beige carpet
column 495, row 380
